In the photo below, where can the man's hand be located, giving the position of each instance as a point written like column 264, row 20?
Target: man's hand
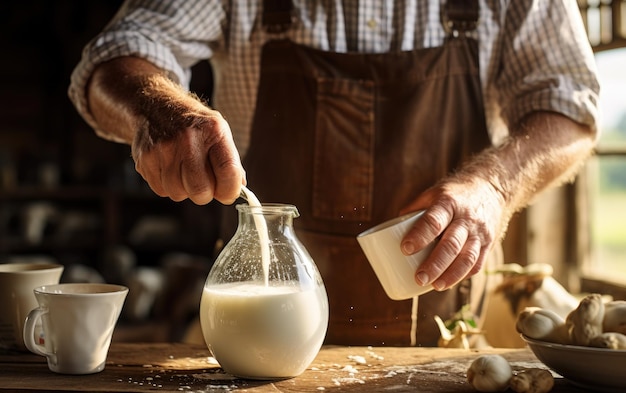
column 464, row 214
column 181, row 147
column 198, row 161
column 469, row 210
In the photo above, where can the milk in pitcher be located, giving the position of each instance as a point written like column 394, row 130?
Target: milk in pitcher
column 258, row 331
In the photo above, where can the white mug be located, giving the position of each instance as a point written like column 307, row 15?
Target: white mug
column 395, row 271
column 17, row 281
column 78, row 323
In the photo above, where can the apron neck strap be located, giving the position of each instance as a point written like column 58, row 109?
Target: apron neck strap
column 277, row 15
column 460, row 16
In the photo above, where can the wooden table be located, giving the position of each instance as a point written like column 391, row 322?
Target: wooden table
column 168, row 367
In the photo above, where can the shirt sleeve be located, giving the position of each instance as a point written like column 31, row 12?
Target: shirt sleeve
column 546, row 63
column 173, row 35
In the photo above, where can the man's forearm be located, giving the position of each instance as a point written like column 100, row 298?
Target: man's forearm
column 181, row 147
column 126, row 92
column 547, row 149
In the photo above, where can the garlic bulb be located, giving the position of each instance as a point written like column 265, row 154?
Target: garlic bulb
column 532, row 380
column 489, row 373
column 610, row 340
column 542, row 324
column 585, row 322
column 615, row 317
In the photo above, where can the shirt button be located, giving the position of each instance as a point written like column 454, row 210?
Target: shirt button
column 372, row 24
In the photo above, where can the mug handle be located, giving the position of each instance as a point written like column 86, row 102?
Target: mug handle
column 29, row 331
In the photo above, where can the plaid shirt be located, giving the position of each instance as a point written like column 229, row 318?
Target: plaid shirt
column 534, row 54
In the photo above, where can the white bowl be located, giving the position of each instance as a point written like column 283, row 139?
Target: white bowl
column 598, row 369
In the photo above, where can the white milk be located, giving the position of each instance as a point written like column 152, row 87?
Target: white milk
column 261, row 227
column 263, row 332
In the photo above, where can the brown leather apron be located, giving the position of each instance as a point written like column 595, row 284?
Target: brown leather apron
column 350, row 138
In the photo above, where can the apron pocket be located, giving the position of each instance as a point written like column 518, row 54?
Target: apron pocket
column 343, row 169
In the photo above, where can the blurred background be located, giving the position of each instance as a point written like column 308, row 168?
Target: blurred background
column 70, row 197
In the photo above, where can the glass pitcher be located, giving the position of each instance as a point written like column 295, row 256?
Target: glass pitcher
column 264, row 308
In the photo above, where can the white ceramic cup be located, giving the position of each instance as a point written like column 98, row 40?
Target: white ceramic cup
column 78, row 323
column 395, row 271
column 17, row 281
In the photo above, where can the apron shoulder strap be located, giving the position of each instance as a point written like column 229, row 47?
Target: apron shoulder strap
column 460, row 16
column 277, row 15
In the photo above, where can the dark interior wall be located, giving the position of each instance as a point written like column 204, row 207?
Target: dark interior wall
column 42, row 41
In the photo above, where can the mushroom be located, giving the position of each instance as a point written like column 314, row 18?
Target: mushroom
column 615, row 317
column 585, row 322
column 542, row 324
column 532, row 380
column 610, row 340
